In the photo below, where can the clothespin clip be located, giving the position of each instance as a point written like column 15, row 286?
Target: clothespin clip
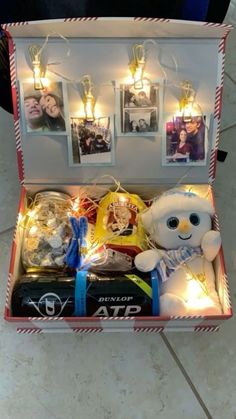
column 35, row 55
column 88, row 98
column 137, row 65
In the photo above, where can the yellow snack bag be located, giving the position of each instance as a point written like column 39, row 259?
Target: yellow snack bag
column 118, row 224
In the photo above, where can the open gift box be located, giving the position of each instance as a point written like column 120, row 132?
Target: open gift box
column 142, row 160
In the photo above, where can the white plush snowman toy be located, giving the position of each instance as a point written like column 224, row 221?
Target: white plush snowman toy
column 180, row 223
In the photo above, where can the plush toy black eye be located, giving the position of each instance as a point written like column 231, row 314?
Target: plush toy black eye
column 172, row 222
column 194, row 219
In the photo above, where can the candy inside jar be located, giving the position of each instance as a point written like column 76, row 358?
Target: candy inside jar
column 47, row 232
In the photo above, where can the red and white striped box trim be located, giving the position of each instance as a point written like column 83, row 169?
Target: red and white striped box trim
column 85, row 331
column 151, row 19
column 13, row 249
column 218, row 25
column 16, row 107
column 207, row 328
column 208, row 325
column 218, row 102
column 80, row 19
column 28, row 331
column 5, row 26
column 148, row 329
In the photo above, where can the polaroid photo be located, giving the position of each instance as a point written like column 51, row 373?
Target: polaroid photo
column 185, row 141
column 139, row 109
column 43, row 111
column 91, row 143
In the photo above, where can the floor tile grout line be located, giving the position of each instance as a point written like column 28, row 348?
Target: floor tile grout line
column 230, row 78
column 186, row 376
column 6, row 230
column 228, row 127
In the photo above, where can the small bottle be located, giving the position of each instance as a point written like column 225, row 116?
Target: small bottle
column 47, row 232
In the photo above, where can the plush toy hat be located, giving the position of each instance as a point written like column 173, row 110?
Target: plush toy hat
column 173, row 202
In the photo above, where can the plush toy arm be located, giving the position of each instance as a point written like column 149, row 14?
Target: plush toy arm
column 210, row 245
column 147, row 261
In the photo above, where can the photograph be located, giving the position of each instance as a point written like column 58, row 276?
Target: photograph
column 137, row 121
column 139, row 109
column 91, row 142
column 185, row 141
column 43, row 110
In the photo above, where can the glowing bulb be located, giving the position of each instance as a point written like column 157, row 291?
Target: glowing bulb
column 89, row 107
column 194, row 289
column 35, row 55
column 33, row 230
column 31, row 213
column 20, row 217
column 88, row 98
column 137, row 65
column 96, row 255
column 187, row 101
column 200, row 303
column 123, row 199
column 45, row 82
column 76, row 204
column 38, row 85
column 137, row 73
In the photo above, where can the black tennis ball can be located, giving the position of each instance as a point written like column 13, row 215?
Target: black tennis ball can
column 86, row 294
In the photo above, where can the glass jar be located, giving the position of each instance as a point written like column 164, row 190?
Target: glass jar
column 47, row 232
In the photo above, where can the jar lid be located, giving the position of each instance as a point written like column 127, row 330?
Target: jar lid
column 52, row 194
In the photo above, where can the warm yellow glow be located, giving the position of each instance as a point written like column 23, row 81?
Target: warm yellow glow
column 200, row 303
column 128, row 80
column 195, row 290
column 98, row 112
column 186, row 102
column 20, row 217
column 76, row 204
column 31, row 213
column 137, row 65
column 200, row 190
column 138, row 77
column 89, row 107
column 37, row 75
column 45, row 81
column 187, row 113
column 122, row 199
column 33, row 230
column 96, row 255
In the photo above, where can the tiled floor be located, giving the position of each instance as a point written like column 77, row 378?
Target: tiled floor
column 118, row 376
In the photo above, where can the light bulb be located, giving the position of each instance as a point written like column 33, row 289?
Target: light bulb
column 89, row 107
column 31, row 213
column 33, row 230
column 194, row 289
column 76, row 204
column 137, row 65
column 186, row 101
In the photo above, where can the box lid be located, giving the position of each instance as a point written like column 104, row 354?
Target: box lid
column 101, row 47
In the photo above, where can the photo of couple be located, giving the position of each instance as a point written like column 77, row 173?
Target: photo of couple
column 139, row 108
column 44, row 109
column 185, row 141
